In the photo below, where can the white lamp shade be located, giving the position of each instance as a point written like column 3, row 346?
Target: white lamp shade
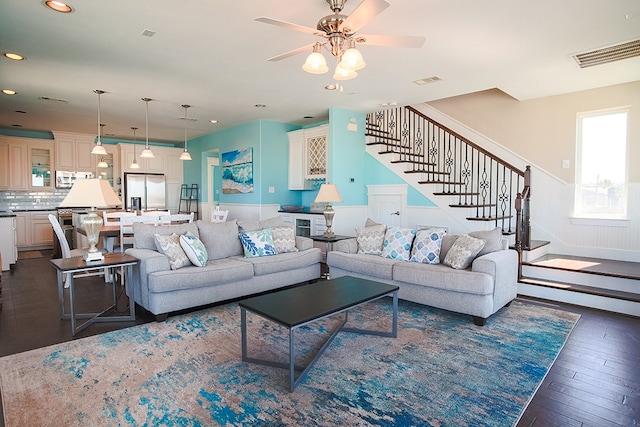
column 328, row 194
column 147, row 153
column 99, row 149
column 344, row 73
column 94, row 193
column 315, row 64
column 352, row 59
column 134, row 165
column 185, row 155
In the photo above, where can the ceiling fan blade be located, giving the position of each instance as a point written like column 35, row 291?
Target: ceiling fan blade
column 396, row 41
column 364, row 13
column 289, row 25
column 307, row 48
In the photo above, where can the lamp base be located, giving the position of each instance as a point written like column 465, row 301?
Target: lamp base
column 329, row 233
column 93, row 256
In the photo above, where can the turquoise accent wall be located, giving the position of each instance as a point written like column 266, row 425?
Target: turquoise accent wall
column 26, row 133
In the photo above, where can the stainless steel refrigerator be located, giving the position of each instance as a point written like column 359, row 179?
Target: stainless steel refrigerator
column 150, row 188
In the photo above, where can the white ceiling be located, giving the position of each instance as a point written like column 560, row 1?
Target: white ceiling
column 213, row 55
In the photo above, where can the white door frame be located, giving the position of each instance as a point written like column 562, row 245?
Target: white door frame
column 211, row 162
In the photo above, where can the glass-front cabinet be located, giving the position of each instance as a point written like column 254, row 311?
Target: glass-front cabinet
column 40, row 164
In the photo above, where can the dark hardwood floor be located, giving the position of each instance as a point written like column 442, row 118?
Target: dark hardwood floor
column 594, row 382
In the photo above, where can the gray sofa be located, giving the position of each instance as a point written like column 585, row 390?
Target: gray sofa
column 226, row 275
column 481, row 290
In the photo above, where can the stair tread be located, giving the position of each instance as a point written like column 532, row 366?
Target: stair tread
column 591, row 290
column 489, row 218
column 598, row 266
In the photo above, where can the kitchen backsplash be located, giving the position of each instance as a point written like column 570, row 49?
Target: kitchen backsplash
column 31, row 200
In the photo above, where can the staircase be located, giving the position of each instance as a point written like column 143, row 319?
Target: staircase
column 490, row 189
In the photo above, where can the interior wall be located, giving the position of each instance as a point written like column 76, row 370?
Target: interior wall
column 544, row 130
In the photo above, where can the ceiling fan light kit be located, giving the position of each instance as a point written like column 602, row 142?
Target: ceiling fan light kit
column 315, row 63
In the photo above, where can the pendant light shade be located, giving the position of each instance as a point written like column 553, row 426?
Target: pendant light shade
column 102, row 164
column 352, row 58
column 185, row 154
column 98, row 148
column 134, row 164
column 147, row 153
column 315, row 63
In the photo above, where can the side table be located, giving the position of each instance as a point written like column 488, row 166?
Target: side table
column 329, row 241
column 78, row 264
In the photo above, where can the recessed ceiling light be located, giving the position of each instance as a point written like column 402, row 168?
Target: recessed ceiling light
column 214, row 121
column 58, row 6
column 21, row 112
column 14, row 56
column 9, row 92
column 16, row 126
column 260, row 106
column 308, row 117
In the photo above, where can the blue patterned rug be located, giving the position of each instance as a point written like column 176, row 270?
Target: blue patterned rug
column 441, row 370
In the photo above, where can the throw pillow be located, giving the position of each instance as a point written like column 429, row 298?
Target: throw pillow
column 397, row 243
column 258, row 243
column 284, row 239
column 463, row 251
column 426, row 246
column 492, row 240
column 194, row 249
column 170, row 246
column 370, row 239
column 220, row 239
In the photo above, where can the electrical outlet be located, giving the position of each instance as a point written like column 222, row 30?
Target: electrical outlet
column 272, row 189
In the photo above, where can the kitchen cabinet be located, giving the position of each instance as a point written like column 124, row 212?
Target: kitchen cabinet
column 33, row 230
column 308, row 157
column 307, row 225
column 8, row 241
column 40, row 158
column 13, row 163
column 73, row 152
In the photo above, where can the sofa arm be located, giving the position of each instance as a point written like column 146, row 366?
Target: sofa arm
column 303, row 243
column 150, row 262
column 349, row 246
column 503, row 267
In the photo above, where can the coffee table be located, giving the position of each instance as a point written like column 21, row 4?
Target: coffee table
column 305, row 304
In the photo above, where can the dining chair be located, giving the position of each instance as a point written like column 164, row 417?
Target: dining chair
column 67, row 252
column 176, row 218
column 219, row 216
column 113, row 218
column 126, row 227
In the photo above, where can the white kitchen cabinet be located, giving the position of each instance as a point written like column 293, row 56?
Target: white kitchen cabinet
column 73, row 152
column 308, row 157
column 13, row 163
column 8, row 242
column 33, row 230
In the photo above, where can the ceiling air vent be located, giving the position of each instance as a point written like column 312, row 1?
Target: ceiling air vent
column 608, row 54
column 427, row 80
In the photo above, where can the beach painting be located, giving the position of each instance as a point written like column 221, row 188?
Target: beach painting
column 237, row 171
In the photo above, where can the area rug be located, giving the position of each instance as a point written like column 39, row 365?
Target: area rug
column 441, row 370
column 29, row 254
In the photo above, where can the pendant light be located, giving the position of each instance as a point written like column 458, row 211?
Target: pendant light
column 185, row 154
column 98, row 148
column 134, row 164
column 102, row 164
column 147, row 153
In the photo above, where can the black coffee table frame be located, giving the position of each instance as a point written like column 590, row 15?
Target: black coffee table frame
column 314, row 302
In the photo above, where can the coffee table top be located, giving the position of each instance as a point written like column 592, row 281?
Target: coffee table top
column 296, row 306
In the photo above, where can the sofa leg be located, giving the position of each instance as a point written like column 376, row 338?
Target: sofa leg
column 479, row 321
column 161, row 317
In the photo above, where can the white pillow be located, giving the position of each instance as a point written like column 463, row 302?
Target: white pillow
column 194, row 249
column 170, row 246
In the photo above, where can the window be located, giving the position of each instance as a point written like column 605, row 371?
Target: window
column 601, row 172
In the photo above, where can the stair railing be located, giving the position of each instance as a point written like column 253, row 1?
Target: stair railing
column 475, row 178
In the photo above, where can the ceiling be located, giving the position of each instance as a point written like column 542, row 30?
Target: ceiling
column 213, row 56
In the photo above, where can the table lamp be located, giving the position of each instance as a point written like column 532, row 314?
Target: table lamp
column 93, row 193
column 328, row 194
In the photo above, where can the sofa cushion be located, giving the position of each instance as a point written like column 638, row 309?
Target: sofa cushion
column 214, row 273
column 258, row 243
column 284, row 239
column 144, row 234
column 443, row 277
column 463, row 251
column 194, row 248
column 370, row 239
column 370, row 265
column 170, row 246
column 492, row 240
column 284, row 262
column 397, row 243
column 220, row 238
column 426, row 246
column 253, row 224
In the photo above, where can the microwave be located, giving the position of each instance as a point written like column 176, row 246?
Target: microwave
column 65, row 179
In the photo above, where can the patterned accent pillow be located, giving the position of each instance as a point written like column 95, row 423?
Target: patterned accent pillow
column 194, row 249
column 426, row 246
column 397, row 243
column 370, row 239
column 463, row 251
column 258, row 243
column 170, row 246
column 284, row 239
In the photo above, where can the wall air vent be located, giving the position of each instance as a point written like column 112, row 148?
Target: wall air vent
column 608, row 54
column 46, row 98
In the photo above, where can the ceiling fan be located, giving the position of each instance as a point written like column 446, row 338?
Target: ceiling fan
column 339, row 32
